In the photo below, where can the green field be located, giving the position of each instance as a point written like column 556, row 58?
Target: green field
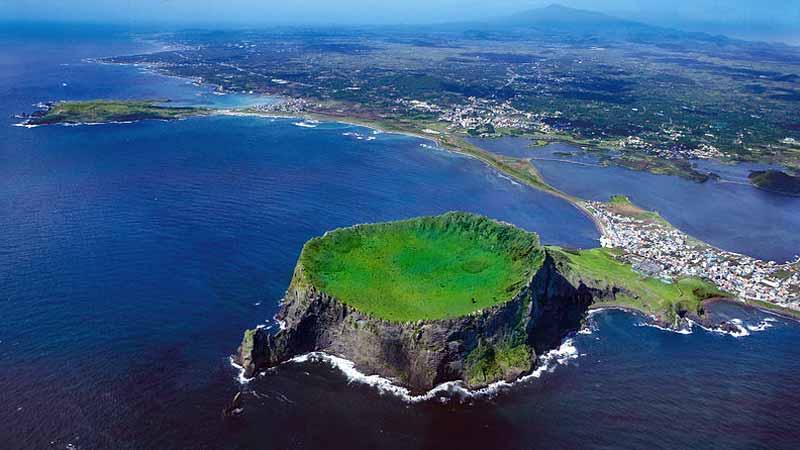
column 426, row 268
column 646, row 294
column 101, row 111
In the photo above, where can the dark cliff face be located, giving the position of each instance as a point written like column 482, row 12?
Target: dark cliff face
column 489, row 345
column 562, row 304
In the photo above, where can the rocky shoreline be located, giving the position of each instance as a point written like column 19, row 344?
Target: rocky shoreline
column 423, row 354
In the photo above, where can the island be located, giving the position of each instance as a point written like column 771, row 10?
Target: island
column 107, row 111
column 776, row 181
column 456, row 297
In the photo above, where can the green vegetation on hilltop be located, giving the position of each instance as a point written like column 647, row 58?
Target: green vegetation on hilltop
column 776, row 181
column 622, row 205
column 659, row 166
column 425, row 268
column 487, row 363
column 637, row 291
column 103, row 111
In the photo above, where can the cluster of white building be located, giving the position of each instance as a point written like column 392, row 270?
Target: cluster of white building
column 672, row 254
column 287, row 105
column 481, row 113
column 702, row 151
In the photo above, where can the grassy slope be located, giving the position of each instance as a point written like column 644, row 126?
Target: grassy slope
column 423, row 269
column 486, row 364
column 647, row 294
column 622, row 205
column 98, row 111
column 776, row 181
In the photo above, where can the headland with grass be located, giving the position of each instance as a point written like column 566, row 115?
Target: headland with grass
column 426, row 268
column 108, row 111
column 452, row 297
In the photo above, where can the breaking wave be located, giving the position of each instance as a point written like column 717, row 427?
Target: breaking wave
column 652, row 324
column 740, row 328
column 306, row 124
column 507, row 178
column 450, row 390
column 240, row 377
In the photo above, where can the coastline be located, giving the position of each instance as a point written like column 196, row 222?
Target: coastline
column 517, row 169
column 775, row 310
column 458, row 147
column 456, row 390
column 450, row 390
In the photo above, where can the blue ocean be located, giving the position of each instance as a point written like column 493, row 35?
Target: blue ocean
column 132, row 257
column 728, row 213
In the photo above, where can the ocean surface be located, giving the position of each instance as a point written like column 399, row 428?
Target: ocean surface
column 132, row 257
column 729, row 213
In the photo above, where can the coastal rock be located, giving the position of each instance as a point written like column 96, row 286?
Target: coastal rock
column 728, row 327
column 497, row 343
column 235, row 408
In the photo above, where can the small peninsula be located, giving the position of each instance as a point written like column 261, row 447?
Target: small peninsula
column 107, row 111
column 776, row 181
column 455, row 297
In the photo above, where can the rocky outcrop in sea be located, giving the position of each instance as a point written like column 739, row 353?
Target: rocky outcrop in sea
column 497, row 343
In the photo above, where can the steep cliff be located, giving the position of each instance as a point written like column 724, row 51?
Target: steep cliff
column 451, row 297
column 497, row 343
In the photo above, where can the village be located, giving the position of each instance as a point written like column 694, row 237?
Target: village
column 654, row 248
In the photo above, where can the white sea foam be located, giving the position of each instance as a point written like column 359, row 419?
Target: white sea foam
column 655, row 325
column 79, row 124
column 453, row 389
column 595, row 311
column 306, row 124
column 590, row 326
column 763, row 325
column 500, row 174
column 240, row 377
column 742, row 329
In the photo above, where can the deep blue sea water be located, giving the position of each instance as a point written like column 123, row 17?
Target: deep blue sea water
column 132, row 256
column 730, row 213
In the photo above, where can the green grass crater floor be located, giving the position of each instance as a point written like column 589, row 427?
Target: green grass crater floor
column 423, row 269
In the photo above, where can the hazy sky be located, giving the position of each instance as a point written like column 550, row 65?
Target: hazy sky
column 779, row 12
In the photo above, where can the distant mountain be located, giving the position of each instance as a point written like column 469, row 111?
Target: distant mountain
column 557, row 15
column 569, row 23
